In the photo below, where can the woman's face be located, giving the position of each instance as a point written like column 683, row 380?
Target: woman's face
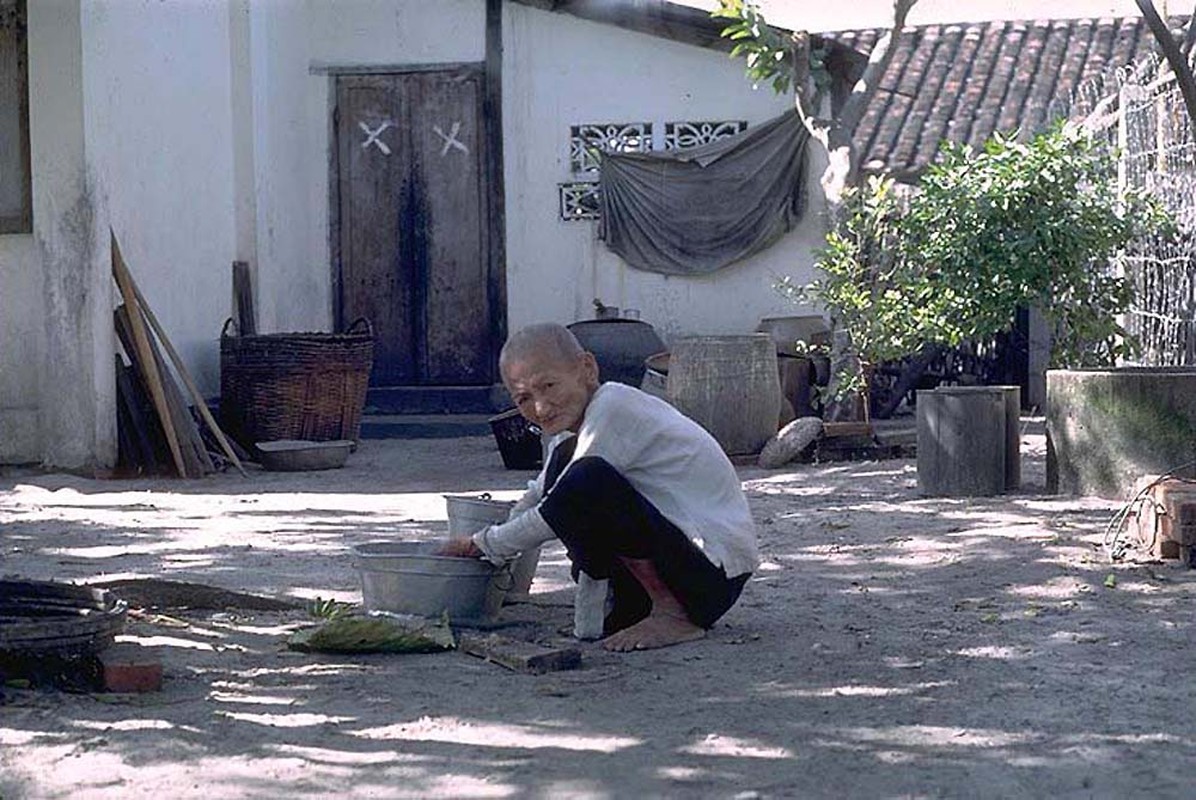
column 552, row 393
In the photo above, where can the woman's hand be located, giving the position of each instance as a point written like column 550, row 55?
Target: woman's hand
column 459, row 547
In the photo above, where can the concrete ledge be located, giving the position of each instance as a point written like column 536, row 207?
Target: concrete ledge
column 437, row 399
column 1107, row 428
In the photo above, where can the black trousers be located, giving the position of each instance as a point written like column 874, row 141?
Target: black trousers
column 600, row 518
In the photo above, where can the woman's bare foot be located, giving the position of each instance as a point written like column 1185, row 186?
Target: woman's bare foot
column 655, row 630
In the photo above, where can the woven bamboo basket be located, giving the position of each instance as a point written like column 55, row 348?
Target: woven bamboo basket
column 295, row 385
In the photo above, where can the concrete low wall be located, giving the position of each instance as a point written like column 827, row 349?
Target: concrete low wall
column 1107, row 428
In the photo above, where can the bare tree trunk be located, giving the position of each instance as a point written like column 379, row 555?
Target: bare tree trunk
column 1173, row 53
column 801, row 73
column 837, row 135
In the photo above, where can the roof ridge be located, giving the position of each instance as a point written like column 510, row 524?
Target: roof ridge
column 1174, row 20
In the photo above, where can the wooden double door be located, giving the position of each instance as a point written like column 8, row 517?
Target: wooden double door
column 412, row 225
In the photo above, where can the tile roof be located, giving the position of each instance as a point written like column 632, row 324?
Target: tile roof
column 964, row 81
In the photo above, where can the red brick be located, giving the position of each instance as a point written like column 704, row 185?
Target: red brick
column 1167, row 516
column 129, row 667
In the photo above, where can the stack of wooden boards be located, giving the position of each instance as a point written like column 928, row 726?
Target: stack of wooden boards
column 158, row 432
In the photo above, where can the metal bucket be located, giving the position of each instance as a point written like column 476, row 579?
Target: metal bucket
column 656, row 376
column 468, row 514
column 408, row 578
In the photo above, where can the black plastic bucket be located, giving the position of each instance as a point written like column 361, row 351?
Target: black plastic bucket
column 518, row 440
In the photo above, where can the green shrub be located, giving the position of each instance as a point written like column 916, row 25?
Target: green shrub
column 1016, row 224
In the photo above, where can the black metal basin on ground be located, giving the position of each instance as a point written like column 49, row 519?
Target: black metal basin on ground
column 50, row 632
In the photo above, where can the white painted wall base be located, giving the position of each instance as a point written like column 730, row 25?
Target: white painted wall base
column 21, row 335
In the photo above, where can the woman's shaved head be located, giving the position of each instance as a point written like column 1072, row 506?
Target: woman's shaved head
column 550, row 376
column 545, row 341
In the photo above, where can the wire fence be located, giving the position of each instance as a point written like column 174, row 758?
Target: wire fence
column 1138, row 110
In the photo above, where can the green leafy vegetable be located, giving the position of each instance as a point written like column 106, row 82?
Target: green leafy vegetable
column 376, row 634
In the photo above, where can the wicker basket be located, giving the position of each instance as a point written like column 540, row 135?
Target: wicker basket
column 295, row 385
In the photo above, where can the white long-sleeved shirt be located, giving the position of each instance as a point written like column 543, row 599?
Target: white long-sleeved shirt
column 668, row 458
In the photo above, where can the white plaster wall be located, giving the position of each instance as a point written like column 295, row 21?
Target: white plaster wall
column 21, row 336
column 21, row 332
column 289, row 161
column 75, row 383
column 397, row 32
column 560, row 71
column 158, row 118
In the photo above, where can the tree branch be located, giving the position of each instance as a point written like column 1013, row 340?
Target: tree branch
column 801, row 71
column 838, row 135
column 1175, row 57
column 1190, row 34
column 878, row 62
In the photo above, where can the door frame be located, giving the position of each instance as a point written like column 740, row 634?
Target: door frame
column 491, row 176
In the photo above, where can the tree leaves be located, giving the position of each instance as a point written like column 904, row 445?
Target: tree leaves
column 1013, row 224
column 1033, row 223
column 769, row 56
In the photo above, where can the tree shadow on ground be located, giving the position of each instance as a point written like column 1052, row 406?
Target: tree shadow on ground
column 890, row 645
column 377, row 467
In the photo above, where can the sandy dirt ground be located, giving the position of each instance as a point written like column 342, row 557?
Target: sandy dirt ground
column 889, row 646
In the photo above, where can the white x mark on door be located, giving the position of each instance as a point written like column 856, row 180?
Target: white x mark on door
column 450, row 139
column 371, row 136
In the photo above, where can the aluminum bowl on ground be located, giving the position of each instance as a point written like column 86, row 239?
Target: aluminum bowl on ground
column 295, row 455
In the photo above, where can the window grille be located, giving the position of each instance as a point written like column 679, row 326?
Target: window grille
column 579, row 200
column 678, row 135
column 587, row 141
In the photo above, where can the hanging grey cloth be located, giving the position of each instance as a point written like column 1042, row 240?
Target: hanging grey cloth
column 694, row 211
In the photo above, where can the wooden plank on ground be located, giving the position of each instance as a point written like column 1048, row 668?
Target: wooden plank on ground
column 200, row 404
column 195, row 453
column 520, row 656
column 177, row 360
column 144, row 355
column 139, row 431
column 152, row 422
column 195, row 457
column 162, row 593
column 184, row 422
column 832, row 430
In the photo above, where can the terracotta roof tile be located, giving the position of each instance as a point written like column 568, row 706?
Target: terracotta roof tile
column 962, row 82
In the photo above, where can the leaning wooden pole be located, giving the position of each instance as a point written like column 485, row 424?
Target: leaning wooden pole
column 177, row 360
column 146, row 355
